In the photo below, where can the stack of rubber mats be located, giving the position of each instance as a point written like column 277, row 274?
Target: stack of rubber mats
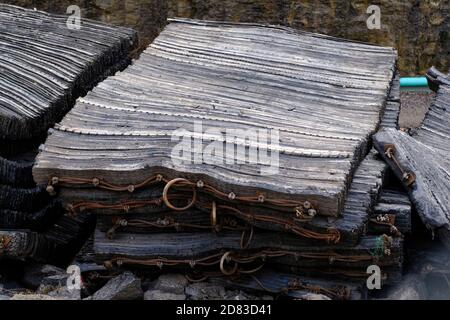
column 421, row 159
column 113, row 155
column 44, row 68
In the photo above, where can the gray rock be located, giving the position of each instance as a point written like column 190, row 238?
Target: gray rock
column 205, row 291
column 171, row 283
column 9, row 288
column 242, row 296
column 411, row 288
column 314, row 296
column 161, row 295
column 58, row 280
column 21, row 296
column 124, row 287
column 35, row 273
column 64, row 293
column 4, row 297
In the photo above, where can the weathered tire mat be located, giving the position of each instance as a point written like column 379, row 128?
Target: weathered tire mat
column 36, row 221
column 16, row 174
column 57, row 245
column 188, row 249
column 25, row 200
column 431, row 167
column 25, row 245
column 392, row 213
column 295, row 286
column 320, row 93
column 46, row 66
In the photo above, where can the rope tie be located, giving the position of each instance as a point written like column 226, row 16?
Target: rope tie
column 331, row 236
column 281, row 204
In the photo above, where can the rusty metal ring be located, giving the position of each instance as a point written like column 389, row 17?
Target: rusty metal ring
column 222, row 265
column 250, row 237
column 214, row 214
column 166, row 192
column 252, row 270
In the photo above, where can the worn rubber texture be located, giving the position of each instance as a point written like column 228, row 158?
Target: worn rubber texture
column 25, row 200
column 37, row 221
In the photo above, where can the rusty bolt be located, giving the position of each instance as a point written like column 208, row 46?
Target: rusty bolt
column 51, row 191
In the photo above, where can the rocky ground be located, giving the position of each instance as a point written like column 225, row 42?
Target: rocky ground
column 414, row 106
column 46, row 282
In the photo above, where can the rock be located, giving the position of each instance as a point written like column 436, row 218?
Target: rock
column 313, row 296
column 59, row 280
column 205, row 291
column 240, row 296
column 8, row 288
column 124, row 287
column 411, row 288
column 64, row 293
column 171, row 283
column 33, row 297
column 161, row 295
column 35, row 274
column 4, row 297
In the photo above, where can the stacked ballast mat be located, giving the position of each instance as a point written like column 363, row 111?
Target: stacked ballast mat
column 44, row 67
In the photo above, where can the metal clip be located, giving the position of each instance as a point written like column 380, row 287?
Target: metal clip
column 408, row 177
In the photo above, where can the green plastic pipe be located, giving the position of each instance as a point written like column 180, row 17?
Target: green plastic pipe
column 413, row 82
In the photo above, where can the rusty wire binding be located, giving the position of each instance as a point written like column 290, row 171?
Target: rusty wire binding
column 387, row 220
column 301, row 211
column 232, row 263
column 408, row 177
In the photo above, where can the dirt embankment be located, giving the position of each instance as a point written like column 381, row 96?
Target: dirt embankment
column 419, row 29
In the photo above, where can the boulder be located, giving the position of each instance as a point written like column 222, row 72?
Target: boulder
column 35, row 273
column 124, row 287
column 171, row 283
column 162, row 295
column 205, row 291
column 411, row 288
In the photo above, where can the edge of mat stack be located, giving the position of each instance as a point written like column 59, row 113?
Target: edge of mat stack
column 420, row 160
column 45, row 67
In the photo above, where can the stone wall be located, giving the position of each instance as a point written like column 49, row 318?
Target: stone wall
column 419, row 29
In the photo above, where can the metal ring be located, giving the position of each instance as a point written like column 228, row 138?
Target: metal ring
column 222, row 265
column 249, row 239
column 166, row 191
column 214, row 214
